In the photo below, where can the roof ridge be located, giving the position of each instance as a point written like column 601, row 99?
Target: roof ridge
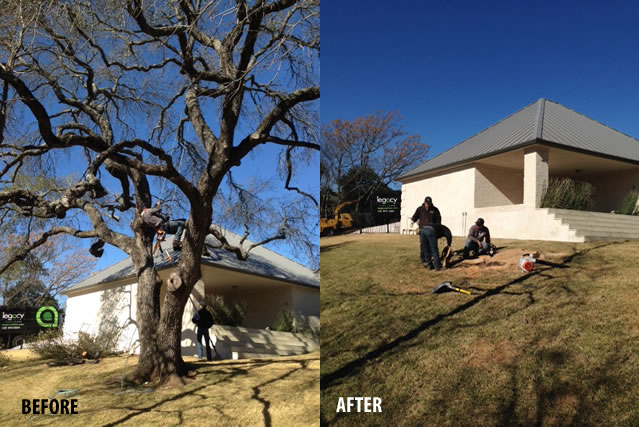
column 539, row 123
column 595, row 120
column 470, row 137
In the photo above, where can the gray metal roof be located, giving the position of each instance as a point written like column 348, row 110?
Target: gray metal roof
column 542, row 122
column 261, row 262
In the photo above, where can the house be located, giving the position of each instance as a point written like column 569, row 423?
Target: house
column 500, row 174
column 266, row 282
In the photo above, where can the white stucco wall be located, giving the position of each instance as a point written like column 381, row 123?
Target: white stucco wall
column 453, row 192
column 306, row 303
column 99, row 310
column 497, row 186
column 105, row 310
column 523, row 222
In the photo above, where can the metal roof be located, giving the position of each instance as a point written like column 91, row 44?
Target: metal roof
column 261, row 262
column 541, row 122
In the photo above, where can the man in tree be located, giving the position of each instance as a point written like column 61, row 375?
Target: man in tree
column 154, row 218
column 203, row 321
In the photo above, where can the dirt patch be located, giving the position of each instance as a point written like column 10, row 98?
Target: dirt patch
column 504, row 260
column 482, row 354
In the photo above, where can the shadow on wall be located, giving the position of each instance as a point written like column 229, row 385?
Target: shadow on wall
column 189, row 342
column 117, row 329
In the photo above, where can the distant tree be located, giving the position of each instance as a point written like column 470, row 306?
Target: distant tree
column 44, row 272
column 367, row 154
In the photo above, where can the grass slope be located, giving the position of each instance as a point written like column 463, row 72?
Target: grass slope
column 554, row 347
column 279, row 391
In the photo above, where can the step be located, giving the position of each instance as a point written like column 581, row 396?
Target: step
column 274, row 352
column 608, row 223
column 232, row 330
column 604, row 233
column 599, row 216
column 266, row 342
column 246, row 355
column 258, row 334
column 626, row 219
column 268, row 346
column 602, row 227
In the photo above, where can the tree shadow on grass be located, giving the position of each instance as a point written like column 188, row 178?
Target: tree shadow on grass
column 328, row 247
column 232, row 370
column 356, row 365
column 561, row 399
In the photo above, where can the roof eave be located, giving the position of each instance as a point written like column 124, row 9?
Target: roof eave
column 124, row 280
column 536, row 141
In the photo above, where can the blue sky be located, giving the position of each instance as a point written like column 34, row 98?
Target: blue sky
column 454, row 68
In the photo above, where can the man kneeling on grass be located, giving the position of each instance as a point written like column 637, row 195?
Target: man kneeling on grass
column 478, row 240
column 429, row 251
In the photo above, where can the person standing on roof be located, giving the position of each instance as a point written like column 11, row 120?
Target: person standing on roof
column 478, row 240
column 154, row 218
column 427, row 214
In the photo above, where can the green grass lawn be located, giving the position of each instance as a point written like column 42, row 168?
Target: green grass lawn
column 278, row 391
column 559, row 346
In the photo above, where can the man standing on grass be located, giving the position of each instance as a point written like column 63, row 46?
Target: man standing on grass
column 203, row 320
column 427, row 214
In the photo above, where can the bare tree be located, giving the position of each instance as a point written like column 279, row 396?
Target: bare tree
column 45, row 272
column 176, row 92
column 375, row 146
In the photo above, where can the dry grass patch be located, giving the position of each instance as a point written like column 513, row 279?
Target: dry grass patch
column 279, row 391
column 557, row 346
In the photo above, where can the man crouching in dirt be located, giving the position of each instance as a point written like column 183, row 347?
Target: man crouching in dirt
column 478, row 240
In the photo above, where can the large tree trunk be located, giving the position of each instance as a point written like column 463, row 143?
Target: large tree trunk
column 160, row 331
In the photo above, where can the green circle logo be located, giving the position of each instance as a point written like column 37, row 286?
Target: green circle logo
column 47, row 317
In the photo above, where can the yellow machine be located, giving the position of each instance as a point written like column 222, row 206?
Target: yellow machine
column 340, row 222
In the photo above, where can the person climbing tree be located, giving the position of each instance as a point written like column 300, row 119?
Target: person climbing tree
column 154, row 218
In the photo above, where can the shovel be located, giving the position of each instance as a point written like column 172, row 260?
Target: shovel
column 446, row 287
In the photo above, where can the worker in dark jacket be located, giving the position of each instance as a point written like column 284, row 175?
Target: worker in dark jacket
column 203, row 320
column 478, row 240
column 427, row 214
column 154, row 218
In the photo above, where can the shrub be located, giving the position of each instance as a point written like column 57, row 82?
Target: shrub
column 226, row 314
column 629, row 204
column 289, row 321
column 565, row 193
column 4, row 360
column 50, row 345
column 94, row 345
